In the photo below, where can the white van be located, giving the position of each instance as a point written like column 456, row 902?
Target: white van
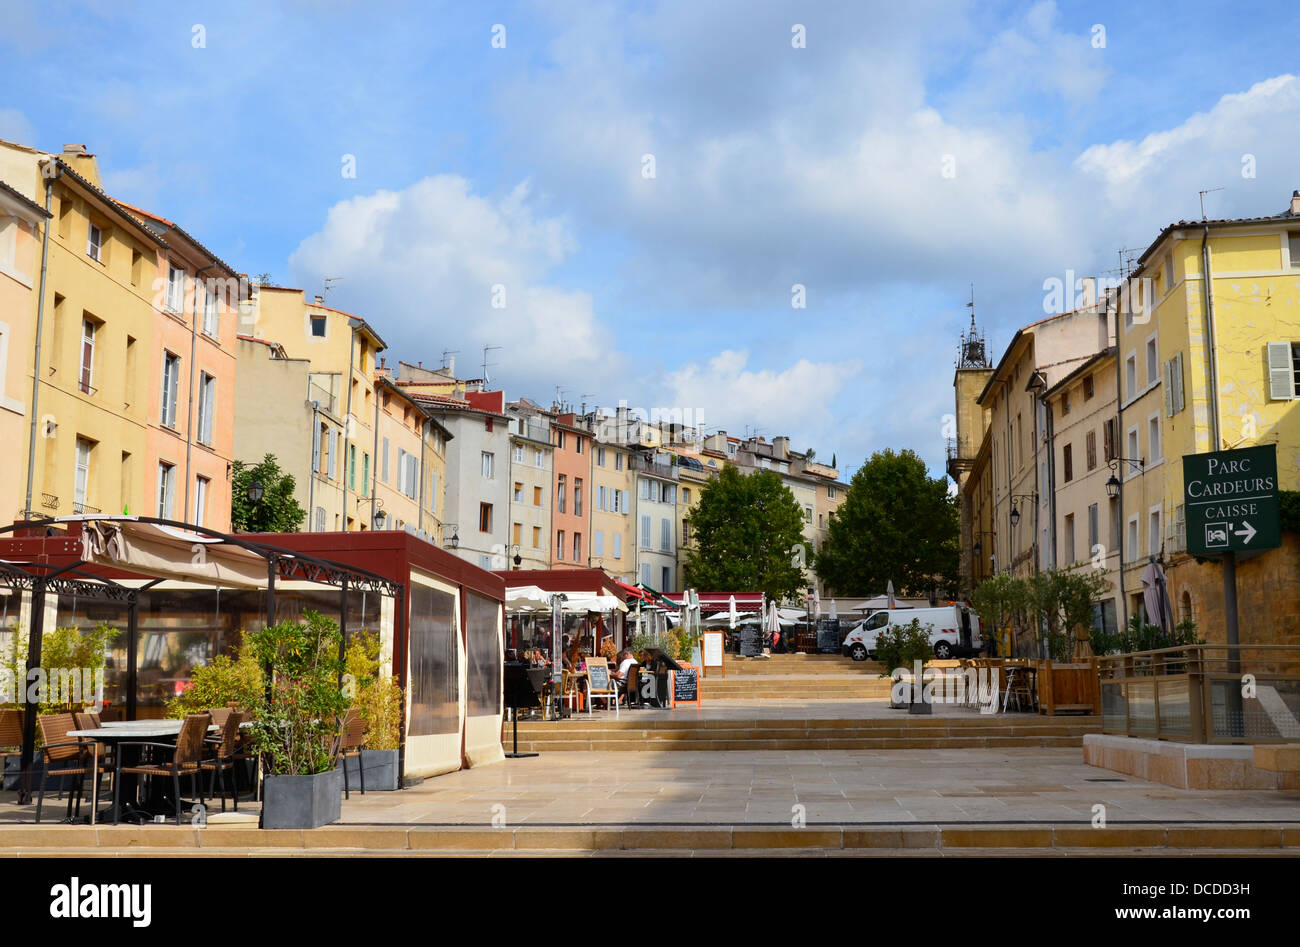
column 954, row 630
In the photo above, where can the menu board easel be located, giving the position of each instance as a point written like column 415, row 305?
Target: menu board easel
column 684, row 685
column 714, row 654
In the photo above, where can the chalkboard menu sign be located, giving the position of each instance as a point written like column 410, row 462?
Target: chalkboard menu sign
column 751, row 640
column 686, row 685
column 828, row 636
column 598, row 675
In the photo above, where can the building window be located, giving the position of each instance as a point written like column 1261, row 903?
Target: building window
column 577, row 547
column 318, row 327
column 175, row 299
column 830, row 493
column 559, row 439
column 209, row 312
column 1132, row 544
column 686, row 495
column 516, row 531
column 618, row 461
column 807, row 514
column 95, row 244
column 665, row 535
column 519, row 492
column 1090, row 449
column 598, row 543
column 1153, row 361
column 352, row 466
column 538, row 460
column 559, row 544
column 1133, row 449
column 365, row 474
column 645, row 574
column 1153, row 532
column 487, row 464
column 577, row 495
column 1130, row 376
column 320, row 519
column 645, row 532
column 560, row 490
column 1153, row 437
column 485, row 517
column 87, row 356
column 1087, row 387
column 1067, row 462
column 618, row 545
column 207, row 406
column 166, row 490
column 200, row 500
column 537, row 537
column 519, row 453
column 1110, row 440
column 1293, row 244
column 82, row 483
column 537, row 496
column 170, row 384
column 1069, row 539
column 1065, row 403
column 600, row 457
column 666, row 577
column 1174, row 402
column 1094, row 526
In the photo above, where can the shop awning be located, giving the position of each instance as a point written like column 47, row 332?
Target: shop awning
column 167, row 552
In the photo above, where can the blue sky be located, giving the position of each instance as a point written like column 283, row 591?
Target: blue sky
column 523, row 167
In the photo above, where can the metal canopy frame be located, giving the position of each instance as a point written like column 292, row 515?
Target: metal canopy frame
column 38, row 578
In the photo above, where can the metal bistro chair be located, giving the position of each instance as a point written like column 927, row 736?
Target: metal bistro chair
column 63, row 757
column 352, row 739
column 609, row 694
column 223, row 749
column 186, row 759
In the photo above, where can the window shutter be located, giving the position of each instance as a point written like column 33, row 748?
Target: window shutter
column 1281, row 386
column 315, row 449
column 1169, row 388
column 1180, row 401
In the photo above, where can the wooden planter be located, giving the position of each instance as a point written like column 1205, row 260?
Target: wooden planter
column 1068, row 688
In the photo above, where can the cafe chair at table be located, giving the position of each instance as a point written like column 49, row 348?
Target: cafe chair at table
column 63, row 756
column 352, row 740
column 186, row 759
column 11, row 734
column 632, row 688
column 221, row 757
column 91, row 721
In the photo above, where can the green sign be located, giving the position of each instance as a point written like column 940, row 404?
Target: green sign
column 1230, row 501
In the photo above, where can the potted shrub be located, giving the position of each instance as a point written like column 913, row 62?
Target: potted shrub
column 902, row 646
column 379, row 698
column 297, row 725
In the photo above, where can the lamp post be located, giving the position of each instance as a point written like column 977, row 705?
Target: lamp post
column 454, row 541
column 255, row 491
column 515, row 558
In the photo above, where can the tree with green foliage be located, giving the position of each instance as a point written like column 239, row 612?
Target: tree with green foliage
column 895, row 524
column 747, row 531
column 276, row 512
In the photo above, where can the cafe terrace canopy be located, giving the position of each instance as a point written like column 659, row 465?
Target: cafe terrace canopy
column 189, row 593
column 594, row 605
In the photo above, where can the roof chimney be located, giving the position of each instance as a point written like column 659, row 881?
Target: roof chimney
column 74, row 149
column 320, row 300
column 1295, row 203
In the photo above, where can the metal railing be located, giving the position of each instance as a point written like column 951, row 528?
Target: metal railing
column 322, row 389
column 662, row 469
column 533, row 430
column 1207, row 693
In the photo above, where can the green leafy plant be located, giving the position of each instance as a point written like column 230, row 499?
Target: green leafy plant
column 902, row 646
column 296, row 726
column 277, row 511
column 376, row 695
column 1140, row 636
column 223, row 681
column 64, row 651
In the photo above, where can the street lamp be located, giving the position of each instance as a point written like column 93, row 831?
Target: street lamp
column 1113, row 484
column 455, row 538
column 515, row 557
column 255, row 491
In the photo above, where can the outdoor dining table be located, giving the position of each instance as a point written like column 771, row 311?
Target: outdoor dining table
column 122, row 731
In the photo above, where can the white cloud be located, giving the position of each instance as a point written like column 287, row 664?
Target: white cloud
column 15, row 127
column 729, row 393
column 429, row 262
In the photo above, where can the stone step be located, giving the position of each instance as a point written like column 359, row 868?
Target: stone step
column 901, row 720
column 750, row 744
column 910, row 839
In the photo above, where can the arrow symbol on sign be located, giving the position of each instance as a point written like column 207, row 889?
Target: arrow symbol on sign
column 1249, row 532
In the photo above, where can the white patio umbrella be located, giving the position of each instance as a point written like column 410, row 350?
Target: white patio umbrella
column 773, row 623
column 835, row 615
column 889, row 593
column 731, row 611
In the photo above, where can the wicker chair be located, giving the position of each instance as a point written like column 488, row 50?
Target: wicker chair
column 352, row 739
column 223, row 749
column 11, row 735
column 91, row 721
column 63, row 756
column 186, row 760
column 219, row 715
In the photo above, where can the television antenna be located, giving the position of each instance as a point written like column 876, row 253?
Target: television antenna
column 1208, row 190
column 326, row 291
column 486, row 363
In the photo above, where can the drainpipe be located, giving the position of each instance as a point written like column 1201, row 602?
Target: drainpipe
column 1207, row 278
column 189, row 409
column 347, row 423
column 315, row 460
column 40, row 322
column 424, row 431
column 374, row 460
column 1119, row 441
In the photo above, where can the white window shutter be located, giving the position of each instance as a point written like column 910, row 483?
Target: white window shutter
column 1180, row 396
column 315, row 449
column 1281, row 386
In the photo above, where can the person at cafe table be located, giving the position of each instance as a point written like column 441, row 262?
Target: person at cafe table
column 625, row 664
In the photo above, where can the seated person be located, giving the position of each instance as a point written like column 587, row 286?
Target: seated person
column 625, row 663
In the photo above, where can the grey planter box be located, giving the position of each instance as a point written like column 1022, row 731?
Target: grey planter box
column 381, row 771
column 302, row 802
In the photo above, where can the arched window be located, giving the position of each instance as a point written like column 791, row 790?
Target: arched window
column 1185, row 612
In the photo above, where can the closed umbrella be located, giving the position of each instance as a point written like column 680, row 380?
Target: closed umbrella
column 889, row 593
column 774, row 624
column 835, row 615
column 731, row 611
column 1155, row 598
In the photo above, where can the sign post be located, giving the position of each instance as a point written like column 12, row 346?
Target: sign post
column 1231, row 507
